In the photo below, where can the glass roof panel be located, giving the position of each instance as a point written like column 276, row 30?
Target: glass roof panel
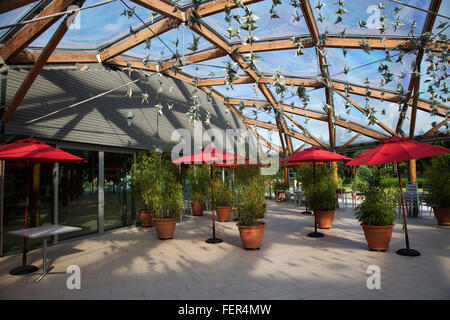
column 245, row 91
column 369, row 12
column 359, row 65
column 208, row 69
column 304, row 65
column 13, row 16
column 343, row 135
column 386, row 112
column 284, row 26
column 96, row 26
column 444, row 9
column 434, row 78
column 315, row 103
column 167, row 44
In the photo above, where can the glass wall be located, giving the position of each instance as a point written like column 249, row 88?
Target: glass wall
column 78, row 194
column 38, row 178
column 117, row 189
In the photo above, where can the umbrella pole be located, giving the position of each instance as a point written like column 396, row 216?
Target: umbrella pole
column 406, row 251
column 213, row 239
column 315, row 234
column 24, row 268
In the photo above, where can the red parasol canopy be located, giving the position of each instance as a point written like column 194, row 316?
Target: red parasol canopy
column 315, row 154
column 233, row 165
column 396, row 149
column 35, row 151
column 290, row 165
column 208, row 155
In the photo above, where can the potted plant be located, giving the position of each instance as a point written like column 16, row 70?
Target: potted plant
column 198, row 177
column 325, row 194
column 223, row 198
column 171, row 201
column 250, row 205
column 280, row 188
column 438, row 177
column 146, row 185
column 377, row 213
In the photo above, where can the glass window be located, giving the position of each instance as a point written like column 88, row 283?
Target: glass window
column 17, row 175
column 78, row 194
column 118, row 200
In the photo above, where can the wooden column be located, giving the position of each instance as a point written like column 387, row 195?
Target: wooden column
column 334, row 167
column 286, row 176
column 412, row 178
column 34, row 197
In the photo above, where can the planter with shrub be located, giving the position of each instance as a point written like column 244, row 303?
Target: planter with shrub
column 438, row 180
column 171, row 201
column 325, row 196
column 377, row 214
column 199, row 181
column 223, row 200
column 146, row 186
column 249, row 206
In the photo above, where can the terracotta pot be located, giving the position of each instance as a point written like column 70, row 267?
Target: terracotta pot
column 324, row 219
column 223, row 213
column 378, row 237
column 251, row 236
column 146, row 218
column 197, row 208
column 442, row 216
column 165, row 227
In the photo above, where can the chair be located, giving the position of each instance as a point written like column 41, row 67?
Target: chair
column 411, row 198
column 423, row 201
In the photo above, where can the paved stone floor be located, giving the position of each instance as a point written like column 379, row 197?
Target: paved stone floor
column 133, row 264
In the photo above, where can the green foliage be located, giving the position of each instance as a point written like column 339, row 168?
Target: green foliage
column 243, row 175
column 172, row 192
column 157, row 184
column 325, row 186
column 250, row 202
column 279, row 185
column 379, row 207
column 363, row 175
column 223, row 196
column 198, row 176
column 438, row 180
column 147, row 180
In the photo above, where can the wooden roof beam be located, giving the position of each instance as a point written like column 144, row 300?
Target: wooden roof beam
column 376, row 93
column 136, row 39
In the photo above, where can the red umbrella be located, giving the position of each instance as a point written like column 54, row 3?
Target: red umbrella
column 315, row 155
column 30, row 151
column 397, row 149
column 209, row 155
column 35, row 151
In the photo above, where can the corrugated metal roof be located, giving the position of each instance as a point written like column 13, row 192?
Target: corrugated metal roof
column 103, row 121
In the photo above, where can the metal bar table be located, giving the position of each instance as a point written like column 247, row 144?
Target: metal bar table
column 43, row 232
